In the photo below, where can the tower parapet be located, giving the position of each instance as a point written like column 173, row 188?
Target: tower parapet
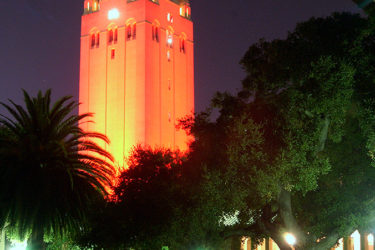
column 91, row 6
column 185, row 10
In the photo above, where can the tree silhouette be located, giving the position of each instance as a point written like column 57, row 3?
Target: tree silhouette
column 50, row 170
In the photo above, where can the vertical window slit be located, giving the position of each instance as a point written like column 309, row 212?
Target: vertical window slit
column 92, row 40
column 110, row 36
column 115, row 35
column 134, row 31
column 113, row 51
column 97, row 39
column 128, row 32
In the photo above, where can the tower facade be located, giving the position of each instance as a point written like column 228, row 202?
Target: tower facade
column 137, row 72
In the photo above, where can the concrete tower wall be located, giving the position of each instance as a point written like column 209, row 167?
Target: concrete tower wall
column 136, row 82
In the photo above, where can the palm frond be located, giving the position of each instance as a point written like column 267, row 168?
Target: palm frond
column 50, row 167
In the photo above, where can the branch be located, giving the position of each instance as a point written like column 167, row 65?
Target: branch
column 287, row 216
column 323, row 135
column 275, row 231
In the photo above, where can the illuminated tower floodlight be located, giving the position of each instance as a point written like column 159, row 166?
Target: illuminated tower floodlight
column 137, row 72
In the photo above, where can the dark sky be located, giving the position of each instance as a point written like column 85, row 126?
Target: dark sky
column 39, row 41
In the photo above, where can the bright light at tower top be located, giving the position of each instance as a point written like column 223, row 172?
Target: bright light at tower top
column 170, row 40
column 113, row 14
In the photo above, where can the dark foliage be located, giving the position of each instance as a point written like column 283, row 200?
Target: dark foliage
column 50, row 169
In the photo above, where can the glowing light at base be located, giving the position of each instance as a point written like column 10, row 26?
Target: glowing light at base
column 18, row 246
column 370, row 239
column 340, row 245
column 290, row 239
column 356, row 240
column 113, row 14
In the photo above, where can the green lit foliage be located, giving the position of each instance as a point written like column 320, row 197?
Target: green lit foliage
column 50, row 169
column 282, row 142
column 343, row 200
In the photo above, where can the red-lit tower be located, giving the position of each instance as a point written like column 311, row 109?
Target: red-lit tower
column 137, row 71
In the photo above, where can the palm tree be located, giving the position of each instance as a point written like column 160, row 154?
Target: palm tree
column 50, row 169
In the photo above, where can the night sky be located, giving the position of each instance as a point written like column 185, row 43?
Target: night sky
column 40, row 39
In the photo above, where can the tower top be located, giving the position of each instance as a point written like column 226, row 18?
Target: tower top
column 91, row 6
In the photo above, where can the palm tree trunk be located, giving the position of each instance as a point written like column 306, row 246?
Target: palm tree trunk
column 2, row 239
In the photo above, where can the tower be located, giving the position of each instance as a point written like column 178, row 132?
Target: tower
column 137, row 71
